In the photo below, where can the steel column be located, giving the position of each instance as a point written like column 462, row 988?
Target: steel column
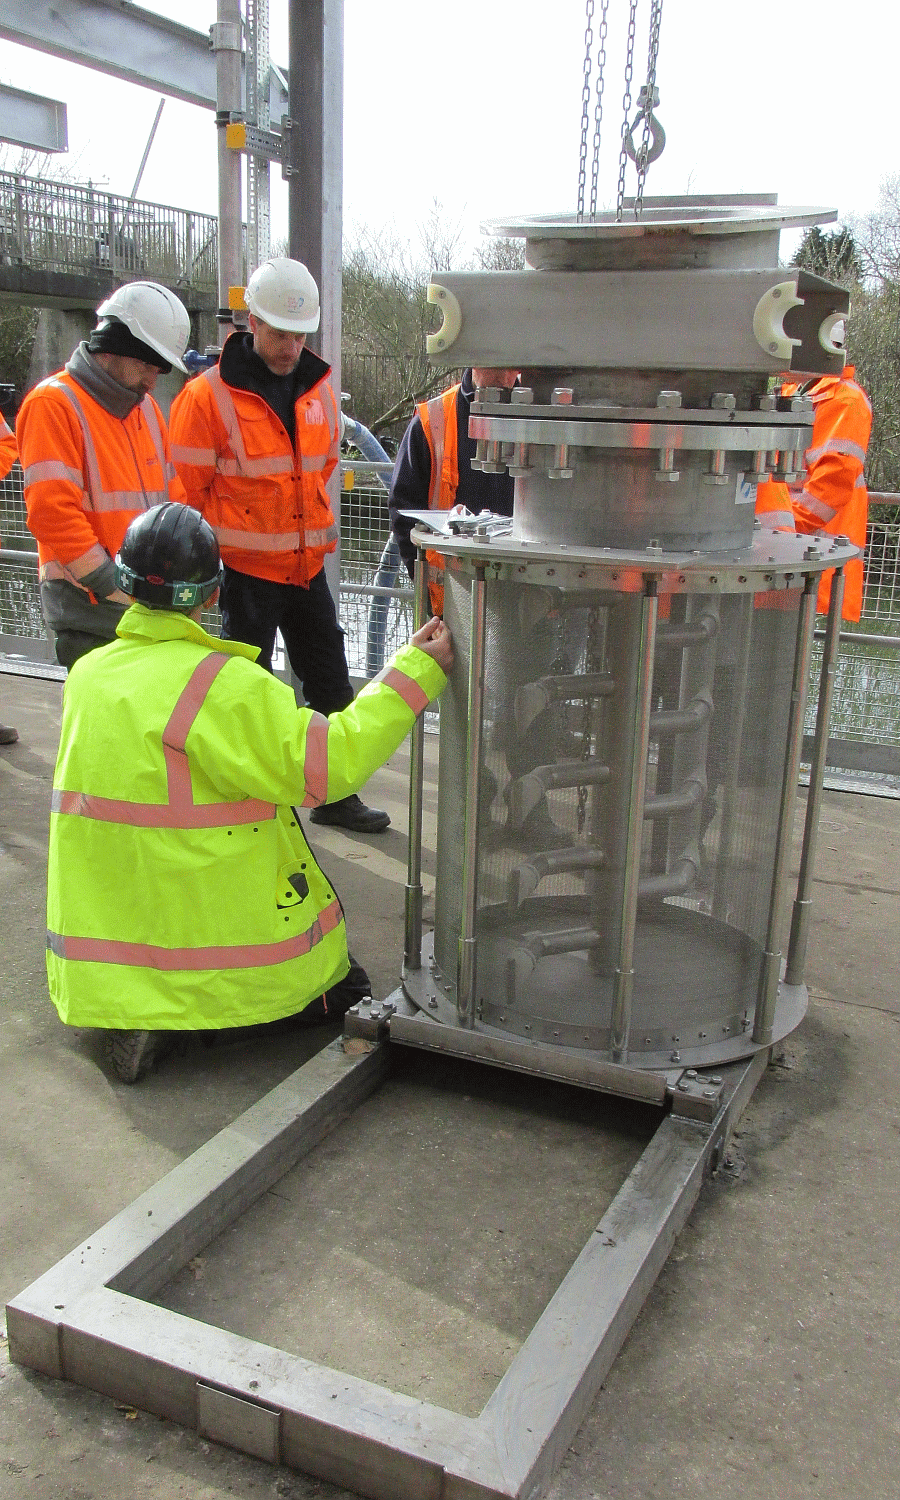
column 412, row 944
column 770, row 972
column 465, row 979
column 796, row 959
column 226, row 35
column 623, row 983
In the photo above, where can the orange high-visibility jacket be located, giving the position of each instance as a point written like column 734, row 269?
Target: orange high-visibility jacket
column 438, row 418
column 266, row 503
column 8, row 451
column 88, row 474
column 833, row 496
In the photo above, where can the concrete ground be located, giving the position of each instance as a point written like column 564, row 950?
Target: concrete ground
column 421, row 1242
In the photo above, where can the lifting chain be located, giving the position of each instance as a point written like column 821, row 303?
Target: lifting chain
column 626, row 102
column 585, row 105
column 654, row 137
column 598, row 108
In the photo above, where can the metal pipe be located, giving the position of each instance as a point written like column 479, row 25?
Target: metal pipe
column 770, row 972
column 412, row 943
column 623, row 982
column 796, row 958
column 728, row 830
column 466, row 961
column 226, row 35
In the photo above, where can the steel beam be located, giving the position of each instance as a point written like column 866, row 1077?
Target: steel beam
column 33, row 121
column 86, row 1320
column 127, row 42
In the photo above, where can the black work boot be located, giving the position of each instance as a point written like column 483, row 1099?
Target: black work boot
column 134, row 1054
column 350, row 812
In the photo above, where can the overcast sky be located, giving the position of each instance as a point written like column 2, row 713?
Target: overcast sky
column 479, row 107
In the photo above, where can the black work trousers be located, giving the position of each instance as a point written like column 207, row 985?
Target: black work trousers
column 254, row 608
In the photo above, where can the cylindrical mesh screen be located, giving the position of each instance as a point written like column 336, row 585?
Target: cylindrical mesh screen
column 560, row 732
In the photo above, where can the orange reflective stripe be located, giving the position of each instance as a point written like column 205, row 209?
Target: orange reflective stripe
column 167, row 960
column 180, row 811
column 410, row 691
column 161, row 814
column 315, row 761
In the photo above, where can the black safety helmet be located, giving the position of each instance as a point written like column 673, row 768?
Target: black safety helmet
column 169, row 558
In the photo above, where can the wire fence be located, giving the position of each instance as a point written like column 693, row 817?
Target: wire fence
column 376, row 612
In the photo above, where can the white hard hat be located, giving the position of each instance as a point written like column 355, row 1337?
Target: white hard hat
column 283, row 294
column 154, row 315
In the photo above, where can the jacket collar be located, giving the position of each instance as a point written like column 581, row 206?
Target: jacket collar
column 143, row 624
column 115, row 398
column 239, row 366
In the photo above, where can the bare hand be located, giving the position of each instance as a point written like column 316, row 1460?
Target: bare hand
column 435, row 640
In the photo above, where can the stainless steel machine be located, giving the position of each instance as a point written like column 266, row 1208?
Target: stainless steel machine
column 620, row 741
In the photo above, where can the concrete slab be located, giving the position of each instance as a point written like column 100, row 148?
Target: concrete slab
column 766, row 1359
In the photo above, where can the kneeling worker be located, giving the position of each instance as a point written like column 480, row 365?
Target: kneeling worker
column 182, row 894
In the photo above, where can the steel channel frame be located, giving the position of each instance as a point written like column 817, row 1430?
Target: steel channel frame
column 87, row 1319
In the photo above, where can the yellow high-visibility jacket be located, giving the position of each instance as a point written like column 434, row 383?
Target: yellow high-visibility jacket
column 182, row 893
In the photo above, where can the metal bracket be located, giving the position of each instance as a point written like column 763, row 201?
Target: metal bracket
column 696, row 1095
column 90, row 1320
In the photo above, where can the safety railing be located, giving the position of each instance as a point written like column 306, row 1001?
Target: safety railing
column 376, row 611
column 69, row 227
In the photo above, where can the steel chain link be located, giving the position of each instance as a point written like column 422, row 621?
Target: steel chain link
column 642, row 156
column 626, row 101
column 585, row 104
column 598, row 108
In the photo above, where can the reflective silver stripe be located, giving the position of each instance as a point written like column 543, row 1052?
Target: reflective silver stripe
column 77, row 569
column 97, row 497
column 94, row 488
column 860, row 482
column 256, row 541
column 816, row 507
column 437, row 422
column 205, row 456
column 255, row 468
column 836, row 445
column 169, row 960
column 129, row 499
column 776, row 520
column 51, row 469
column 321, row 538
column 313, row 463
column 241, row 464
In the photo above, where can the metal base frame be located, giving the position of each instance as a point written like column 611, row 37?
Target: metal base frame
column 86, row 1320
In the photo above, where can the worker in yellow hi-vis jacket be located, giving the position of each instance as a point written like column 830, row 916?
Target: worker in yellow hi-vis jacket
column 182, row 893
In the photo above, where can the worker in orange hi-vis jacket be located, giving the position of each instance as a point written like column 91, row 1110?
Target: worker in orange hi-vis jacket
column 95, row 452
column 8, row 456
column 832, row 497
